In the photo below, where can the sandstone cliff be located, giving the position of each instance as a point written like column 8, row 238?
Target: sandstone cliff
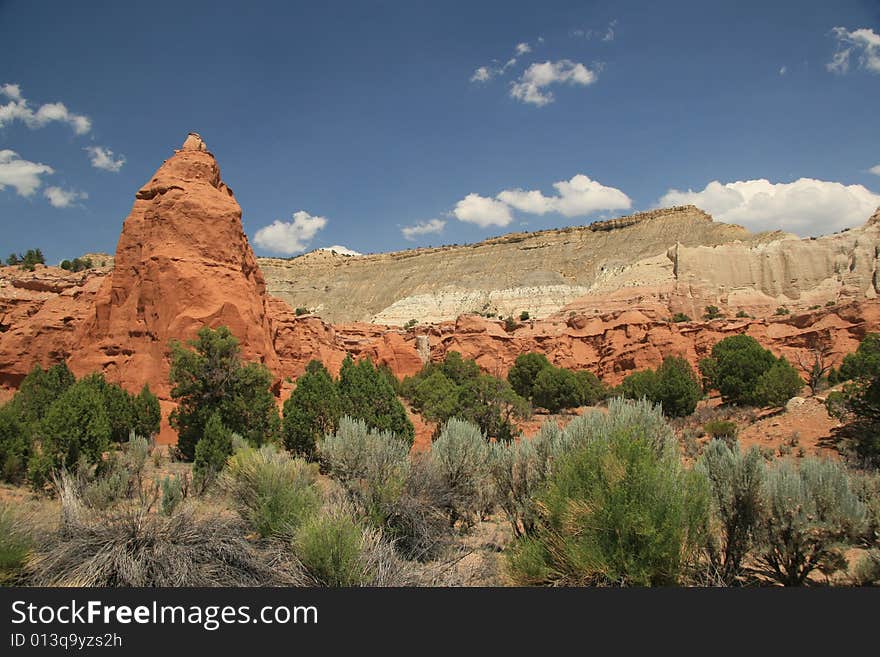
column 182, row 262
column 537, row 272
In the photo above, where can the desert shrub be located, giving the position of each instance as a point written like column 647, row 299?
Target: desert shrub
column 518, row 470
column 76, row 425
column 312, row 410
column 329, row 546
column 174, row 491
column 737, row 365
column 372, row 465
column 782, row 310
column 723, row 430
column 736, row 482
column 212, row 450
column 592, row 389
column 272, row 492
column 712, row 312
column 76, row 265
column 15, row 543
column 617, row 509
column 866, row 571
column 406, row 499
column 129, row 546
column 556, row 388
column 864, row 363
column 210, row 378
column 510, row 324
column 366, row 394
column 810, row 513
column 525, row 371
column 778, row 384
column 117, row 403
column 460, row 456
column 301, row 310
column 434, row 395
column 742, row 314
column 680, row 317
column 524, row 316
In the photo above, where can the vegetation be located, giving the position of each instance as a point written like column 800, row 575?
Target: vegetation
column 367, row 394
column 210, row 378
column 457, row 388
column 712, row 312
column 782, row 310
column 460, row 456
column 811, row 513
column 618, row 508
column 274, row 494
column 680, row 317
column 674, row 385
column 735, row 481
column 858, row 403
column 312, row 410
column 15, row 543
column 722, row 430
column 533, row 377
column 77, row 264
column 746, row 373
column 28, row 261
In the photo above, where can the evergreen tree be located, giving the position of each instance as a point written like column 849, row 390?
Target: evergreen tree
column 212, row 449
column 211, row 378
column 525, row 371
column 312, row 410
column 76, row 425
column 367, row 395
column 556, row 388
column 147, row 413
column 678, row 390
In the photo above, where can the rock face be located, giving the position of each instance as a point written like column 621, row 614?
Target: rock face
column 182, row 262
column 536, row 272
column 39, row 313
column 677, row 258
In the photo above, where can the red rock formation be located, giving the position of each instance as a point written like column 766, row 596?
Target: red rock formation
column 182, row 262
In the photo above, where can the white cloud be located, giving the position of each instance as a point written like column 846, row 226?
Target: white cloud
column 530, row 88
column 423, row 228
column 605, row 35
column 342, row 250
column 23, row 175
column 484, row 212
column 482, row 74
column 18, row 109
column 63, row 198
column 289, row 237
column 875, row 170
column 805, row 206
column 783, row 70
column 864, row 42
column 577, row 197
column 103, row 158
column 523, row 48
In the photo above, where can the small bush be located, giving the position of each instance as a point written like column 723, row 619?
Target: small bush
column 311, row 411
column 132, row 547
column 15, row 543
column 742, row 314
column 618, row 509
column 76, row 425
column 410, row 324
column 460, row 456
column 736, row 481
column 712, row 312
column 723, row 430
column 329, row 546
column 778, row 384
column 174, row 491
column 556, row 388
column 273, row 493
column 811, row 513
column 782, row 310
column 680, row 317
column 524, row 316
column 301, row 310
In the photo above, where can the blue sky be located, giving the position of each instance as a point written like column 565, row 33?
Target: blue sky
column 348, row 122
